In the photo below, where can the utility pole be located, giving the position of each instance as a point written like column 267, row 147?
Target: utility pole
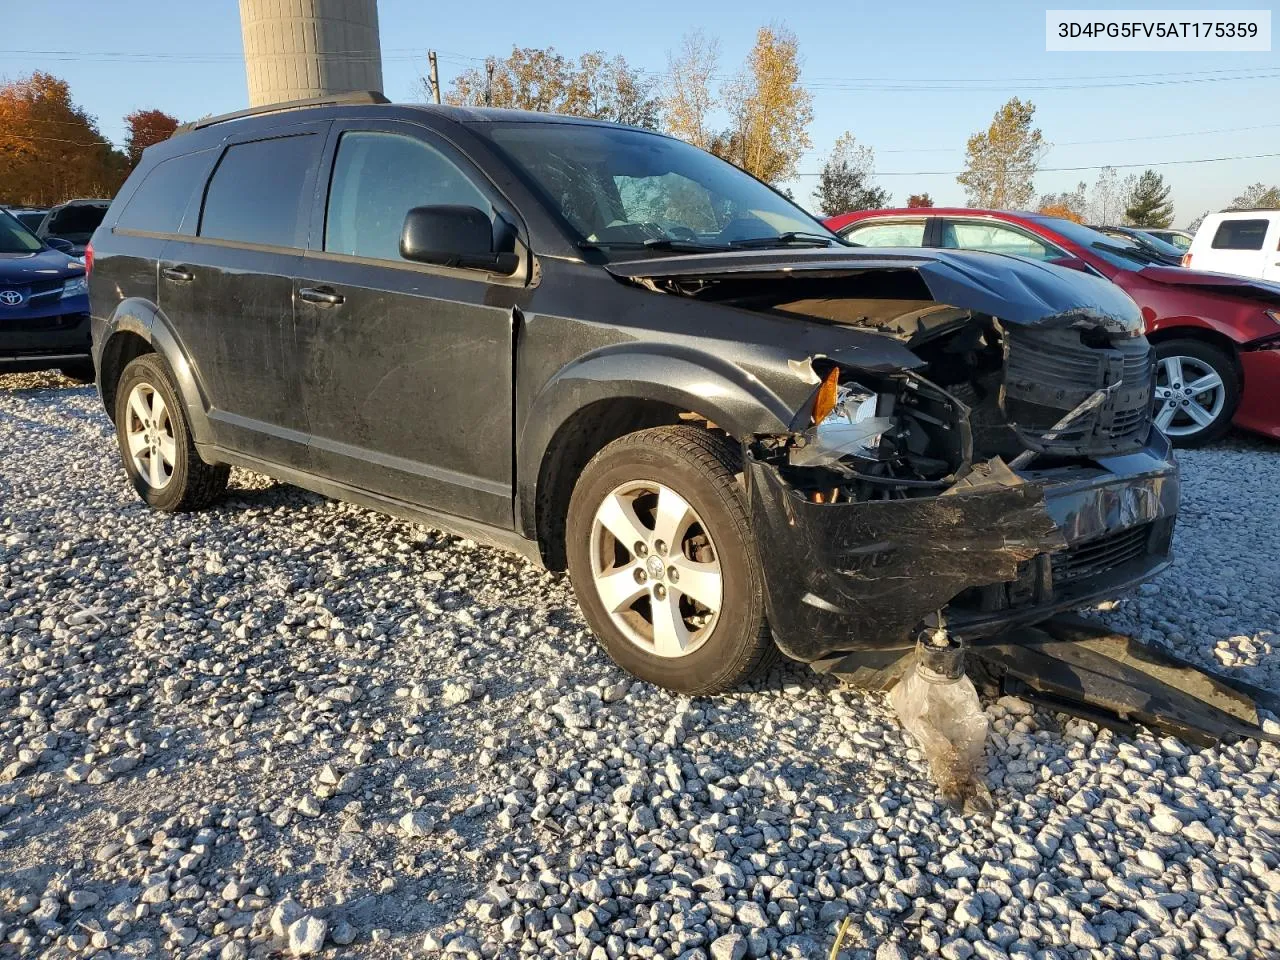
column 488, row 83
column 435, row 75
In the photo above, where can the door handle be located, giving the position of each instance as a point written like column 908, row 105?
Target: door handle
column 326, row 296
column 178, row 274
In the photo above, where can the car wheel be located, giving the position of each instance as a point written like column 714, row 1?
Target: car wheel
column 664, row 562
column 79, row 372
column 155, row 441
column 1197, row 391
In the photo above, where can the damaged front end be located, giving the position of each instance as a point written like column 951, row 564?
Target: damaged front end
column 1014, row 475
column 1009, row 473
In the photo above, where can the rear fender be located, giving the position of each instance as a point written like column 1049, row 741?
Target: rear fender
column 144, row 319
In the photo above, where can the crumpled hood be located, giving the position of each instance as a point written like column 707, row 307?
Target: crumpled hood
column 47, row 264
column 1012, row 288
column 1227, row 283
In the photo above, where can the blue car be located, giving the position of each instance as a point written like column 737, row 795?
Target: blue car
column 44, row 304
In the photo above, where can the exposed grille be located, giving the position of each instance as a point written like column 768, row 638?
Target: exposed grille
column 1098, row 556
column 1050, row 372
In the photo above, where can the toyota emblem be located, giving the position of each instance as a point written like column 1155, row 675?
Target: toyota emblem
column 10, row 298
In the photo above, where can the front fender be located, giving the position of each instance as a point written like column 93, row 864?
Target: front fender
column 733, row 399
column 143, row 319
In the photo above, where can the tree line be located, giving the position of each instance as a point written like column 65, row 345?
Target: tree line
column 52, row 150
column 769, row 114
column 756, row 117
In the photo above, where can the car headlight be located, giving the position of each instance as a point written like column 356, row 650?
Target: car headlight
column 75, row 287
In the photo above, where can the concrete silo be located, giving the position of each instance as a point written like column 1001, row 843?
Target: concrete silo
column 309, row 48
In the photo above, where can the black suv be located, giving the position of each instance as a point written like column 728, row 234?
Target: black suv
column 620, row 355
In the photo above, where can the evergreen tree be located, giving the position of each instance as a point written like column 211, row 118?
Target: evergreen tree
column 1148, row 204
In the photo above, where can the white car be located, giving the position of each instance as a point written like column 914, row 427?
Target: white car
column 1243, row 242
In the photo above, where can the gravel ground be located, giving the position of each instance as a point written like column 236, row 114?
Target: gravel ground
column 288, row 726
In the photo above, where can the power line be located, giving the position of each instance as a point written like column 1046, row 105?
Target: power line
column 1092, row 166
column 818, row 84
column 1081, row 143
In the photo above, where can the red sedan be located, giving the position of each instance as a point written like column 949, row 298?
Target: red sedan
column 1217, row 336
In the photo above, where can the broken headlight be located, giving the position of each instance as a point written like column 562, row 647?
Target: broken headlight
column 851, row 429
column 898, row 436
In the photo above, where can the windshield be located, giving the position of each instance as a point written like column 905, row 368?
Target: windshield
column 1121, row 252
column 14, row 237
column 1159, row 244
column 627, row 188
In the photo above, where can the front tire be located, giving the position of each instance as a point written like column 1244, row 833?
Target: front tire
column 1197, row 391
column 664, row 563
column 155, row 442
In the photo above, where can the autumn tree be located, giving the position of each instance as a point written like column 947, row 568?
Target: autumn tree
column 1061, row 210
column 1071, row 204
column 687, row 99
column 1259, row 196
column 769, row 110
column 146, row 128
column 1001, row 161
column 845, row 181
column 531, row 78
column 1148, row 204
column 50, row 149
column 919, row 200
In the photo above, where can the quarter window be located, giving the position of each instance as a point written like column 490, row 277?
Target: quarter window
column 257, row 191
column 902, row 234
column 159, row 202
column 995, row 238
column 380, row 177
column 1240, row 235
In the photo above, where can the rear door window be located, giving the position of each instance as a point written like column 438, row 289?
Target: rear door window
column 377, row 179
column 257, row 191
column 994, row 238
column 899, row 233
column 1240, row 235
column 161, row 199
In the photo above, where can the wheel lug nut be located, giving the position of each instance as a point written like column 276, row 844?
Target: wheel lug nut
column 641, row 550
column 660, row 546
column 660, row 592
column 673, row 574
column 641, row 576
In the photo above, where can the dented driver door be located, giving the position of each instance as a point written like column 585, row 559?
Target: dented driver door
column 406, row 367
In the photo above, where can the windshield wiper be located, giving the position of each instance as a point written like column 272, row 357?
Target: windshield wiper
column 666, row 243
column 1130, row 253
column 790, row 238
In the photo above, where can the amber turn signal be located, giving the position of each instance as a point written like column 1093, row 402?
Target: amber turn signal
column 828, row 393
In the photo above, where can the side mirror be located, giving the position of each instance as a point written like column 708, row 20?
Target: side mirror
column 454, row 236
column 65, row 246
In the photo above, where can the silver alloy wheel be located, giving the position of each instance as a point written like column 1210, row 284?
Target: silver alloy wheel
column 149, row 432
column 656, row 569
column 1190, row 396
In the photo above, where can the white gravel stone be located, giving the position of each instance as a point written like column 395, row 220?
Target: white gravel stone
column 286, row 701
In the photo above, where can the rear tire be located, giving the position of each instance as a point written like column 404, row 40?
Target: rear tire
column 1197, row 391
column 703, row 629
column 155, row 442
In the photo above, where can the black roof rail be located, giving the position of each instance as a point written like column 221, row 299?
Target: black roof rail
column 329, row 100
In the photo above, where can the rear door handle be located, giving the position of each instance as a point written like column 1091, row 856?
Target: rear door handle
column 178, row 274
column 322, row 295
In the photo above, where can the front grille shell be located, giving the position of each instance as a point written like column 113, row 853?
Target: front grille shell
column 1049, row 372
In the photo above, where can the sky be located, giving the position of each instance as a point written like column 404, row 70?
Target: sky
column 912, row 80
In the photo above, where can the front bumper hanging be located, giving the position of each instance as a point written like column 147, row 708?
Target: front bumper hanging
column 994, row 551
